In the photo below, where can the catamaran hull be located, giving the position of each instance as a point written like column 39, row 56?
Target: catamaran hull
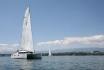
column 34, row 56
column 26, row 56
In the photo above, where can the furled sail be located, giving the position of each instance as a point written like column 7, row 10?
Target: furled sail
column 27, row 40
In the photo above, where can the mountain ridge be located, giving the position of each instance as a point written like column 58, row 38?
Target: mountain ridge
column 63, row 50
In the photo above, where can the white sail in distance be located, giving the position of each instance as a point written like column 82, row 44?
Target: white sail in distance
column 27, row 40
column 49, row 52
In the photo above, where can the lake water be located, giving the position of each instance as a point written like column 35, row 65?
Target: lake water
column 54, row 63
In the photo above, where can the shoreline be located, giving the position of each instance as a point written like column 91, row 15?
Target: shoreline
column 67, row 54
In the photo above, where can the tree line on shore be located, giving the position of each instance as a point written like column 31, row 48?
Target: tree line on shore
column 67, row 54
column 73, row 53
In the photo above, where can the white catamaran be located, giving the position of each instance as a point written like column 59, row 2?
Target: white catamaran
column 26, row 47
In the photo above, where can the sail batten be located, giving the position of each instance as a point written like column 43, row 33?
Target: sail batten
column 27, row 40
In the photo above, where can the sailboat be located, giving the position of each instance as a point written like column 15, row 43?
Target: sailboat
column 26, row 48
column 49, row 52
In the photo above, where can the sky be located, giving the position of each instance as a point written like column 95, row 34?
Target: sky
column 56, row 24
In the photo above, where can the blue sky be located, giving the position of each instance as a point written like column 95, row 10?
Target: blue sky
column 56, row 24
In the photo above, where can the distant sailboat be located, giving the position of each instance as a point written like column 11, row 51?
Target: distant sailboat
column 49, row 53
column 26, row 48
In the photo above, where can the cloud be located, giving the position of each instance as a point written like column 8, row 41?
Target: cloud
column 1, row 45
column 56, row 42
column 97, row 39
column 4, row 47
column 15, row 45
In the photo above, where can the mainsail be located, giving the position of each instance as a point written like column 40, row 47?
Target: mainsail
column 27, row 40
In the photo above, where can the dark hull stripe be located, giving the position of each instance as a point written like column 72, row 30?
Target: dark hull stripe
column 34, row 56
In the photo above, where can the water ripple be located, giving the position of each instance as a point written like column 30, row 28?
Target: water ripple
column 54, row 63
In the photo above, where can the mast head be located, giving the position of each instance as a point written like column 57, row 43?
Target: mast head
column 29, row 8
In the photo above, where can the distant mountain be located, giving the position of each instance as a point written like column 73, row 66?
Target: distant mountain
column 7, row 52
column 74, row 50
column 63, row 50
